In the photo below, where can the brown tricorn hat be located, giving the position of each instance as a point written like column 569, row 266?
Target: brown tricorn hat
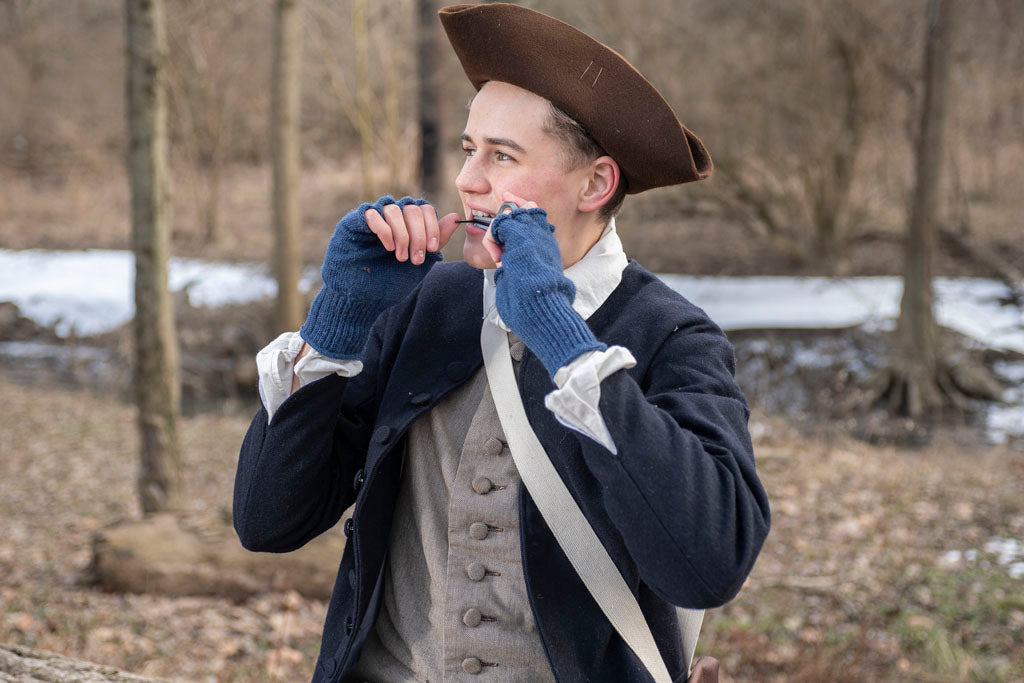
column 592, row 83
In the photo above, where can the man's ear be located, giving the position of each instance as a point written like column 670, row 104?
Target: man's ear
column 600, row 184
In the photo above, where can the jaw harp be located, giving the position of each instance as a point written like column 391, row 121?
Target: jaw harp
column 480, row 220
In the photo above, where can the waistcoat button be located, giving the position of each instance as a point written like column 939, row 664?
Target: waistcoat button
column 456, row 370
column 348, row 527
column 476, row 571
column 359, row 479
column 382, row 434
column 349, row 625
column 472, row 617
column 493, row 446
column 478, row 530
column 516, row 350
column 482, row 485
column 471, row 665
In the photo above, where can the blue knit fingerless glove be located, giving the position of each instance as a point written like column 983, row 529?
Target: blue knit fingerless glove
column 534, row 298
column 361, row 279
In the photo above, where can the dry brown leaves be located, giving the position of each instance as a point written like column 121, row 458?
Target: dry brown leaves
column 851, row 585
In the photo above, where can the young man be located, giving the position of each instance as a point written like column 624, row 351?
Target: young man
column 381, row 400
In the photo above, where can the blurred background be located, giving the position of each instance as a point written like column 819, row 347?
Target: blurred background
column 860, row 241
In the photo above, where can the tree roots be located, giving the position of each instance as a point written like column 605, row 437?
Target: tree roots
column 913, row 389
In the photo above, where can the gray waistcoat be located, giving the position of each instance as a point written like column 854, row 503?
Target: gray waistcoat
column 455, row 606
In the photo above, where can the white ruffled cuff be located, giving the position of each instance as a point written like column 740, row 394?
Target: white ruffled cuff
column 275, row 365
column 575, row 401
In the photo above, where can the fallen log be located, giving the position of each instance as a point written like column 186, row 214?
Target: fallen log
column 26, row 665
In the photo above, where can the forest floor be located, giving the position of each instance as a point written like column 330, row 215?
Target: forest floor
column 883, row 563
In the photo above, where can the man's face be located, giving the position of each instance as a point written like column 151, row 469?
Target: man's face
column 508, row 150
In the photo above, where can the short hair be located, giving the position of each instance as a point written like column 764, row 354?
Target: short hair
column 580, row 148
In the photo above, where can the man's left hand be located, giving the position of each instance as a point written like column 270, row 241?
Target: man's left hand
column 533, row 296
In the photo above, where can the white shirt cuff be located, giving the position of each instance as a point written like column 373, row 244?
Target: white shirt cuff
column 275, row 365
column 575, row 401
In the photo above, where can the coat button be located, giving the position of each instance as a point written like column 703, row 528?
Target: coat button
column 471, row 665
column 382, row 434
column 456, row 370
column 420, row 399
column 478, row 530
column 482, row 485
column 493, row 446
column 360, row 478
column 472, row 617
column 516, row 350
column 348, row 527
column 329, row 664
column 476, row 571
column 349, row 625
column 352, row 577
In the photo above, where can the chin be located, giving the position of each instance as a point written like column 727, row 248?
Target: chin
column 476, row 256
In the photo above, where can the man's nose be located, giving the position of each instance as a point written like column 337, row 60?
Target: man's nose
column 471, row 179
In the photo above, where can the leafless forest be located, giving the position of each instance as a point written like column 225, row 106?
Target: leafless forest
column 897, row 545
column 809, row 110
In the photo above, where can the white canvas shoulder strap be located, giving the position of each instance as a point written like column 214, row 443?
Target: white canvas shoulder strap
column 567, row 522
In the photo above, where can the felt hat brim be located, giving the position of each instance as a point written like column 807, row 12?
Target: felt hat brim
column 589, row 81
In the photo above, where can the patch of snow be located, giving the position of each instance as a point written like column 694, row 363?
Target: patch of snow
column 969, row 305
column 950, row 559
column 1009, row 553
column 1010, row 371
column 88, row 292
column 42, row 351
column 1006, row 550
column 1004, row 422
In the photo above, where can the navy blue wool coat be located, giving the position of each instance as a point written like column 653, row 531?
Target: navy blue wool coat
column 680, row 508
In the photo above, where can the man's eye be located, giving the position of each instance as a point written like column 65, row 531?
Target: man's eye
column 468, row 151
column 504, row 157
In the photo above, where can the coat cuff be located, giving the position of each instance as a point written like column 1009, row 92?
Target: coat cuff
column 575, row 402
column 275, row 365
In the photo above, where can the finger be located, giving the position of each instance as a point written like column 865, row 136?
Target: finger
column 519, row 201
column 447, row 227
column 432, row 228
column 417, row 233
column 493, row 249
column 396, row 219
column 379, row 227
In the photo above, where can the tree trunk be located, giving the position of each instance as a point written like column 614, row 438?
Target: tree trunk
column 285, row 139
column 834, row 184
column 364, row 99
column 157, row 392
column 917, row 334
column 918, row 380
column 428, row 68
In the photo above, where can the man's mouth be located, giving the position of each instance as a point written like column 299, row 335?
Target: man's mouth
column 479, row 218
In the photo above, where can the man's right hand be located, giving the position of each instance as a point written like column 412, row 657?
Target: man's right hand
column 412, row 230
column 361, row 279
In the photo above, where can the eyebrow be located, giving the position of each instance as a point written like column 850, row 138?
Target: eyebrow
column 498, row 142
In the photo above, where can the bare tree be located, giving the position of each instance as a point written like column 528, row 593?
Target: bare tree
column 203, row 76
column 428, row 47
column 368, row 78
column 364, row 93
column 157, row 391
column 919, row 380
column 285, row 147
